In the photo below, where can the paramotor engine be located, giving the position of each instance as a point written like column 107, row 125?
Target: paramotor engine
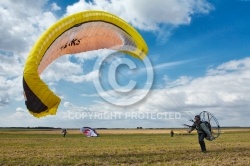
column 211, row 123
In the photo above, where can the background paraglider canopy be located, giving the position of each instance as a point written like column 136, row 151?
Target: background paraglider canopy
column 89, row 132
column 80, row 32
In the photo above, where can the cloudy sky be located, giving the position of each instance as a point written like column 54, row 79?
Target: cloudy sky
column 199, row 52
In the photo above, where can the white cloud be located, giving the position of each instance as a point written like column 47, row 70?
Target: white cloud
column 55, row 7
column 225, row 95
column 10, row 90
column 83, row 78
column 65, row 69
column 22, row 22
column 60, row 69
column 170, row 64
column 146, row 14
column 19, row 109
column 232, row 66
column 10, row 65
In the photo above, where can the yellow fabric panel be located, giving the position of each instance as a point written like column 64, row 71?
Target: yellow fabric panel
column 32, row 71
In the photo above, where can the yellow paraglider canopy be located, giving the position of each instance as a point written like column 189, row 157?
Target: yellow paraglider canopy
column 80, row 32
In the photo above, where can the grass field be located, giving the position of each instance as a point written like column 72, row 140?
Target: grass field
column 121, row 147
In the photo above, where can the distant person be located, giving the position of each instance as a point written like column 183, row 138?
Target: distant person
column 64, row 132
column 202, row 130
column 171, row 133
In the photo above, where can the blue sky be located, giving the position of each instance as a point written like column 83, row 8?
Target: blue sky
column 199, row 51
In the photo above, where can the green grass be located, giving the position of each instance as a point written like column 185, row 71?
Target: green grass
column 25, row 148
